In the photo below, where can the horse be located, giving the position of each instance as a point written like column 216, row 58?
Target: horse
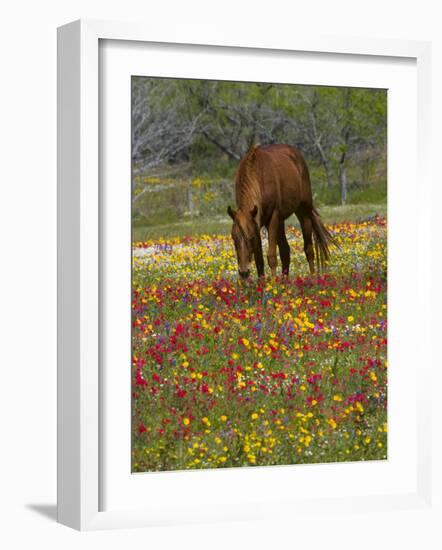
column 273, row 182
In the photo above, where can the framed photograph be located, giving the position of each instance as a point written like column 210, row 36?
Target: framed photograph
column 234, row 250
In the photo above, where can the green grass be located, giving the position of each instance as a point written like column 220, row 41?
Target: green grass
column 221, row 225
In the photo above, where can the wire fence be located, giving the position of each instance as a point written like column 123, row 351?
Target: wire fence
column 163, row 200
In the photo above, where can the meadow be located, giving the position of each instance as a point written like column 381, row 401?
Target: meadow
column 282, row 371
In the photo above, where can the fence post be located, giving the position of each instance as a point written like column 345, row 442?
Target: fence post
column 190, row 198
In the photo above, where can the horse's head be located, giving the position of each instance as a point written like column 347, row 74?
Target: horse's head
column 245, row 233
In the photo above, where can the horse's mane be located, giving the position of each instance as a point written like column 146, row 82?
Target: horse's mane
column 247, row 189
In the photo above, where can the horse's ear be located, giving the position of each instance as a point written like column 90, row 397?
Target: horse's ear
column 231, row 212
column 254, row 211
column 252, row 150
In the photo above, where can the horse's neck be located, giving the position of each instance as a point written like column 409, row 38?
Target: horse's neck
column 250, row 196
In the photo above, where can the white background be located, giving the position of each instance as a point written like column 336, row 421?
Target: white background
column 28, row 293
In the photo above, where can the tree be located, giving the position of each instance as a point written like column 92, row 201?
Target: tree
column 175, row 120
column 159, row 129
column 361, row 124
column 315, row 124
column 338, row 122
column 236, row 115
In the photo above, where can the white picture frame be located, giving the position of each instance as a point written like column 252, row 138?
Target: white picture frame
column 79, row 294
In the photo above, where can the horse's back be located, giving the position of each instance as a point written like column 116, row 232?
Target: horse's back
column 284, row 178
column 284, row 160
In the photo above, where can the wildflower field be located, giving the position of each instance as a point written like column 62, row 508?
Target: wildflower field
column 282, row 371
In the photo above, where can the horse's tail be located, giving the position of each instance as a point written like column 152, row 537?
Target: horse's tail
column 323, row 240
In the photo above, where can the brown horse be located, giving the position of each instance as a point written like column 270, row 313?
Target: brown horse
column 272, row 183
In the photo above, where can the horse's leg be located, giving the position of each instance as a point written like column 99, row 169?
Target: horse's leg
column 273, row 239
column 259, row 259
column 284, row 249
column 307, row 229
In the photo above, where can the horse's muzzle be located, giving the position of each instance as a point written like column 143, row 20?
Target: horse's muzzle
column 244, row 274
